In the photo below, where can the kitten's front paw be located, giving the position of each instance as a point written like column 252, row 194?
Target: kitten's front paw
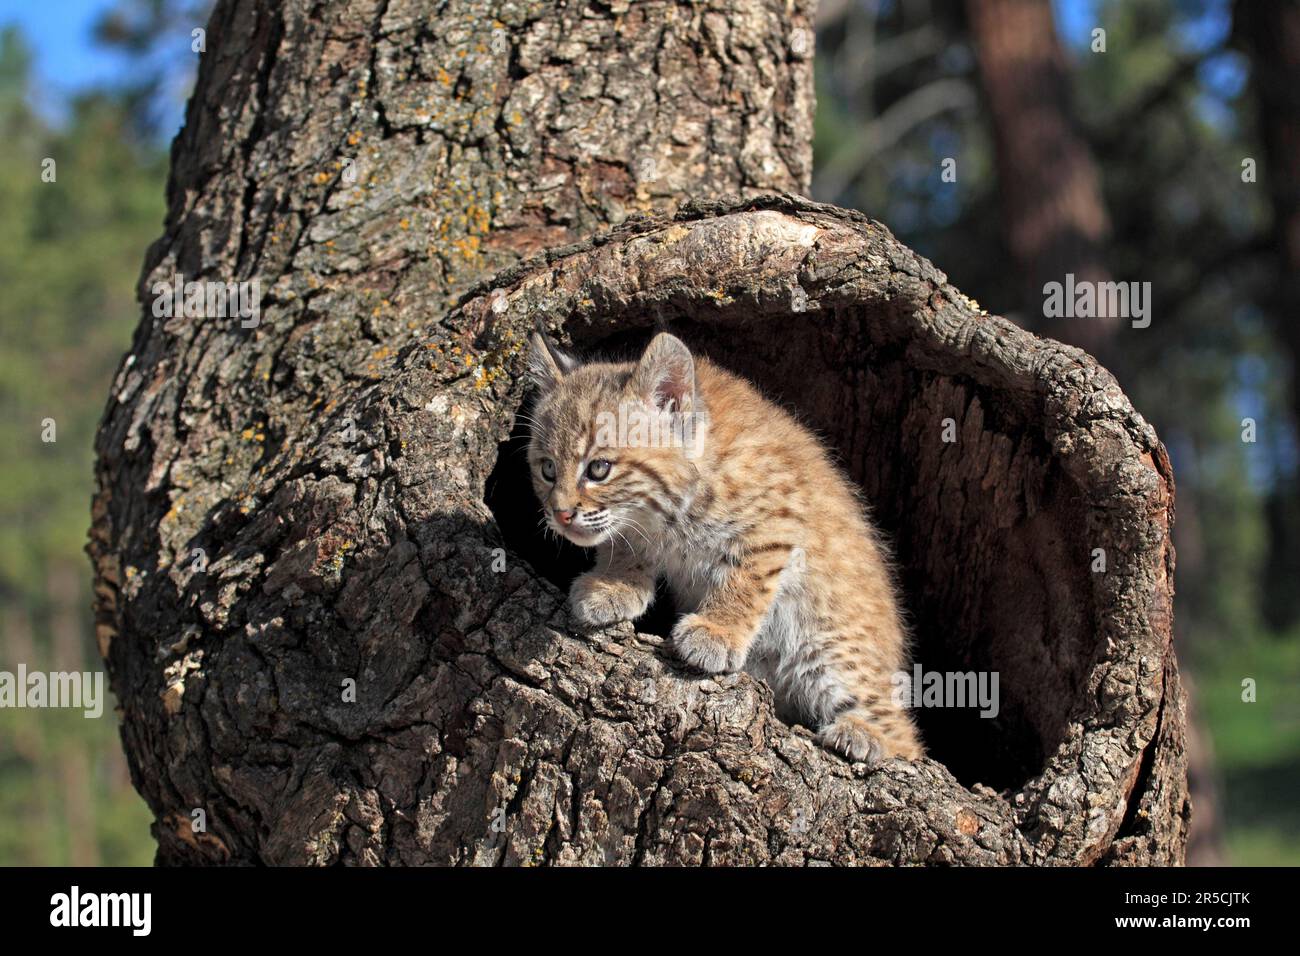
column 706, row 646
column 861, row 735
column 851, row 738
column 597, row 601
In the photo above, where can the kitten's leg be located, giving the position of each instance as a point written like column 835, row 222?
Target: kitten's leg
column 872, row 732
column 718, row 636
column 619, row 588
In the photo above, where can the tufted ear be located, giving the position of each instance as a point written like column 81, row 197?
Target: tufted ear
column 665, row 375
column 546, row 363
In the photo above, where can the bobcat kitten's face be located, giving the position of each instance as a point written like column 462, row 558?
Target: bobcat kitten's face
column 604, row 459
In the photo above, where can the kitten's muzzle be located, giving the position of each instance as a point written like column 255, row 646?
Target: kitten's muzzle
column 564, row 517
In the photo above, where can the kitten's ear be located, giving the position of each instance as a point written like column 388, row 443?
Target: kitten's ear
column 547, row 364
column 665, row 375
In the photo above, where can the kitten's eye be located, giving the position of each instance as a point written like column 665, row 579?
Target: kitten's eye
column 548, row 469
column 598, row 470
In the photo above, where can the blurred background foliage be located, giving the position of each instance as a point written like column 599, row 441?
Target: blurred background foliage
column 1124, row 164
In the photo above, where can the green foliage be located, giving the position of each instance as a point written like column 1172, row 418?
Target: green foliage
column 70, row 252
column 1255, row 744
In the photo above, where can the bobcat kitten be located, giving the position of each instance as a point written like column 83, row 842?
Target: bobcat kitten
column 674, row 468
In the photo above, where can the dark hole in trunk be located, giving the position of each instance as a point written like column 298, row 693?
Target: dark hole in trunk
column 991, row 565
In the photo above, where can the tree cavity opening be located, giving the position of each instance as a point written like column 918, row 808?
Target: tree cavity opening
column 983, row 524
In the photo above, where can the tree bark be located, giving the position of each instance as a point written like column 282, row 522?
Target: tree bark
column 329, row 505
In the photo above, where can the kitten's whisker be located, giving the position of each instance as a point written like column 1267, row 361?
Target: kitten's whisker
column 636, row 526
column 624, row 539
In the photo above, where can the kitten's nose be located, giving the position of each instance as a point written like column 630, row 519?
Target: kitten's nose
column 564, row 517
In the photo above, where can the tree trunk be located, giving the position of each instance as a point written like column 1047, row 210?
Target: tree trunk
column 324, row 608
column 1269, row 31
column 1053, row 212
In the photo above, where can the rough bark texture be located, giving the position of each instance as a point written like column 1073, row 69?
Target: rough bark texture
column 348, row 470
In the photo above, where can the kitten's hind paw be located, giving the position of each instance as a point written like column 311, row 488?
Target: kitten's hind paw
column 596, row 601
column 705, row 646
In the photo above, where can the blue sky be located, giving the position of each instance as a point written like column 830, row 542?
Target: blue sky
column 59, row 31
column 68, row 60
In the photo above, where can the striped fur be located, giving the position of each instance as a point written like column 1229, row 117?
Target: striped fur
column 761, row 539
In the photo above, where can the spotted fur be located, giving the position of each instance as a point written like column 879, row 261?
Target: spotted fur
column 762, row 541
